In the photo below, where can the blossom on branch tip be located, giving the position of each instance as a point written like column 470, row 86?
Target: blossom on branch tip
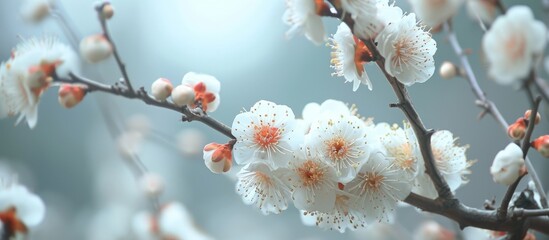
column 20, row 210
column 527, row 116
column 517, row 130
column 268, row 133
column 541, row 144
column 261, row 186
column 508, row 165
column 434, row 13
column 304, row 16
column 408, row 50
column 28, row 73
column 206, row 90
column 70, row 95
column 107, row 11
column 95, row 48
column 448, row 70
column 182, row 95
column 36, row 10
column 162, row 88
column 513, row 45
column 218, row 157
column 348, row 56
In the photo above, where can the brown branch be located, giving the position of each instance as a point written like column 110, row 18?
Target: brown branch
column 502, row 210
column 489, row 106
column 121, row 65
column 141, row 94
column 543, row 87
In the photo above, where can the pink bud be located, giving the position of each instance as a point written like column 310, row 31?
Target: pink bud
column 107, row 11
column 517, row 130
column 448, row 70
column 541, row 144
column 182, row 95
column 70, row 95
column 161, row 89
column 40, row 75
column 218, row 157
column 95, row 48
column 527, row 116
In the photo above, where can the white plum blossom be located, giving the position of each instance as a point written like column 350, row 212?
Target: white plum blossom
column 267, row 133
column 263, row 187
column 206, row 90
column 513, row 44
column 379, row 186
column 344, row 215
column 401, row 148
column 313, row 111
column 408, row 50
column 312, row 182
column 433, row 13
column 508, row 165
column 20, row 210
column 302, row 17
column 450, row 160
column 348, row 53
column 483, row 10
column 27, row 74
column 218, row 157
column 340, row 141
column 364, row 14
column 172, row 222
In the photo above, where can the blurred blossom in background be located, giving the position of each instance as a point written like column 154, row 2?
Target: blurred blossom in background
column 74, row 164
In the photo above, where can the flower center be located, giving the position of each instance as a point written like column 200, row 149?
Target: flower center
column 311, row 173
column 440, row 160
column 403, row 52
column 403, row 156
column 262, row 178
column 373, row 181
column 266, row 136
column 12, row 224
column 515, row 46
column 337, row 149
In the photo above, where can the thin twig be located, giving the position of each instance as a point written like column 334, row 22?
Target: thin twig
column 502, row 210
column 490, row 107
column 531, row 123
column 121, row 65
column 542, row 86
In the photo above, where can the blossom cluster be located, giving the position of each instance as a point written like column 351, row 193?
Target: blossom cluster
column 407, row 47
column 342, row 171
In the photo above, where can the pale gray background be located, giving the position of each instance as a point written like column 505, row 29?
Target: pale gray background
column 242, row 43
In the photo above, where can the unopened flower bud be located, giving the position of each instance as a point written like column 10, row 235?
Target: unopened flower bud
column 95, row 48
column 182, row 95
column 107, row 11
column 508, row 165
column 448, row 70
column 218, row 157
column 152, row 184
column 40, row 75
column 70, row 95
column 161, row 89
column 527, row 116
column 517, row 130
column 541, row 144
column 35, row 11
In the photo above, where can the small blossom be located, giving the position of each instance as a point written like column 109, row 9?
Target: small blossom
column 182, row 95
column 218, row 157
column 36, row 10
column 313, row 111
column 262, row 187
column 408, row 51
column 379, row 187
column 400, row 147
column 20, row 210
column 348, row 56
column 206, row 90
column 312, row 182
column 267, row 133
column 95, row 48
column 152, row 184
column 541, row 144
column 71, row 94
column 161, row 89
column 28, row 74
column 517, row 130
column 508, row 165
column 340, row 141
column 303, row 16
column 527, row 116
column 107, row 11
column 431, row 230
column 448, row 70
column 512, row 45
column 483, row 10
column 450, row 160
column 435, row 12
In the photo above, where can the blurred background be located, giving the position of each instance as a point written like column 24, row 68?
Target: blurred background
column 72, row 162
